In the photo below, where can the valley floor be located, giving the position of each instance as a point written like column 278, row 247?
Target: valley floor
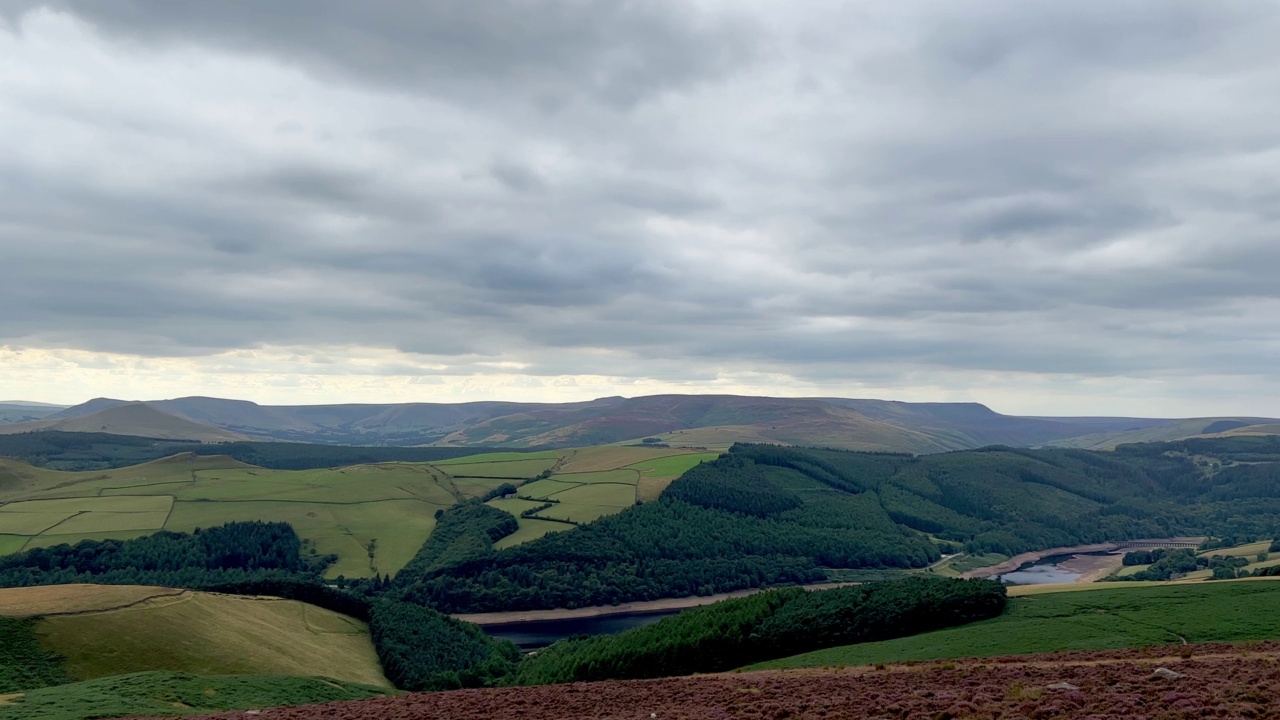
column 1223, row 681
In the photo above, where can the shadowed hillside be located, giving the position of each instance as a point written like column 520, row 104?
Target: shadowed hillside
column 138, row 419
column 689, row 420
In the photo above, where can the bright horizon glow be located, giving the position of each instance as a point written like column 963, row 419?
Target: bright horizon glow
column 293, row 376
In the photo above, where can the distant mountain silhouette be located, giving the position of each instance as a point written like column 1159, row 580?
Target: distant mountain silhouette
column 139, row 419
column 709, row 420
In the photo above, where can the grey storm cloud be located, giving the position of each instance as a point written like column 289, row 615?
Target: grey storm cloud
column 659, row 189
column 549, row 51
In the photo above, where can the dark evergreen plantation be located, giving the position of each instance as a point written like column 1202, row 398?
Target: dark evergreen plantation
column 235, row 552
column 768, row 625
column 767, row 515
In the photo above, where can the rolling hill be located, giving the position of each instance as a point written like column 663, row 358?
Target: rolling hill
column 1166, row 432
column 17, row 411
column 104, row 630
column 138, row 419
column 689, row 420
column 372, row 516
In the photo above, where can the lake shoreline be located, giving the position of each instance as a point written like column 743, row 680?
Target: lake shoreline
column 642, row 607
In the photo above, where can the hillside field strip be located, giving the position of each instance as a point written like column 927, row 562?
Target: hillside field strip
column 586, row 484
column 110, row 630
column 373, row 517
column 1083, row 618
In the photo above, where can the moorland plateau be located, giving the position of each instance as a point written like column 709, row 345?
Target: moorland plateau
column 713, row 421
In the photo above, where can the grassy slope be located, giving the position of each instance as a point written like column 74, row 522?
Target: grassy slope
column 23, row 662
column 1163, row 433
column 173, row 693
column 201, row 633
column 1092, row 619
column 342, row 510
column 804, row 421
column 373, row 517
column 1260, row 429
column 587, row 483
column 76, row 598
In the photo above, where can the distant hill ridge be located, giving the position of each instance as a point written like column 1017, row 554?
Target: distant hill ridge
column 710, row 420
column 138, row 419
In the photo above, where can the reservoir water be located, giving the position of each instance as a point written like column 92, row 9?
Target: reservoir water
column 1044, row 571
column 535, row 634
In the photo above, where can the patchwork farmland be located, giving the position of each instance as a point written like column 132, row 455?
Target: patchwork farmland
column 373, row 517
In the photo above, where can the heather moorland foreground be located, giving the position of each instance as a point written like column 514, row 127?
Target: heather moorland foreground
column 1194, row 681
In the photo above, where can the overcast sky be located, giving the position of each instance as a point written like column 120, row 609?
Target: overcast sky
column 1050, row 207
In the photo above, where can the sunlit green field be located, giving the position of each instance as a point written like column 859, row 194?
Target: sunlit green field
column 373, row 517
column 584, row 487
column 1227, row 611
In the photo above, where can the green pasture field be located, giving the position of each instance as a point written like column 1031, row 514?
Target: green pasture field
column 617, row 495
column 473, row 487
column 587, row 483
column 400, row 527
column 1223, row 611
column 588, row 501
column 515, row 506
column 108, row 522
column 12, row 543
column 498, row 457
column 508, row 470
column 373, row 517
column 628, row 477
column 342, row 511
column 611, row 457
column 31, row 523
column 40, row 541
column 150, row 503
column 672, row 465
column 1248, row 550
column 531, row 529
column 175, row 693
column 207, row 633
column 545, row 488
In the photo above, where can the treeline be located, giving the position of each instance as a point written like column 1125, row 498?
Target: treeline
column 766, row 515
column 733, row 484
column 676, row 548
column 765, row 626
column 305, row 456
column 99, row 451
column 235, row 552
column 422, row 649
column 463, row 532
column 1165, row 565
column 71, row 451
